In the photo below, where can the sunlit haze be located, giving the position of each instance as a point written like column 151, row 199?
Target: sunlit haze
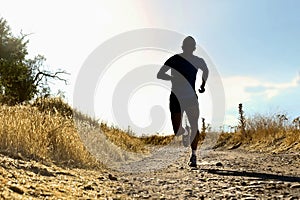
column 253, row 44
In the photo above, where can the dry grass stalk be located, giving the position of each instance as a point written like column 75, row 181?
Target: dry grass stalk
column 274, row 132
column 26, row 131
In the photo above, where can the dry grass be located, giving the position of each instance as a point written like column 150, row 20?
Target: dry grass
column 53, row 105
column 266, row 133
column 26, row 131
column 127, row 141
column 123, row 139
column 157, row 140
column 49, row 129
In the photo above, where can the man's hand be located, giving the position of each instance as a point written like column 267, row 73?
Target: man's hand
column 202, row 89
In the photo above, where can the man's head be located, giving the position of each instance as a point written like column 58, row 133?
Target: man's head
column 189, row 45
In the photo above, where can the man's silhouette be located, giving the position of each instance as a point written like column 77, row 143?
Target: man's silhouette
column 183, row 98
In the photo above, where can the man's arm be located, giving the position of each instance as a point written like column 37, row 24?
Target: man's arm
column 162, row 73
column 204, row 69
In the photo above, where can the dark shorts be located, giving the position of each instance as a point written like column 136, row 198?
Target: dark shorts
column 180, row 104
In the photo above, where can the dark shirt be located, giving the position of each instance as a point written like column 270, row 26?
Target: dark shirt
column 184, row 71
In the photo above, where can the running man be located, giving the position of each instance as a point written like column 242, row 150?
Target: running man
column 183, row 98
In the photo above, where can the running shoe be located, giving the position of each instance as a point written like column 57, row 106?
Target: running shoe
column 193, row 161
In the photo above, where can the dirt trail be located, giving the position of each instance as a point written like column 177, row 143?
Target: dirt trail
column 221, row 174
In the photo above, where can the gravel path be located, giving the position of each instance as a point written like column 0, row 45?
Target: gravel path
column 160, row 158
column 232, row 174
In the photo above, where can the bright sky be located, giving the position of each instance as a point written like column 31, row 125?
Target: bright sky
column 254, row 44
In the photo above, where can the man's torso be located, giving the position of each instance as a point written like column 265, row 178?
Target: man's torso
column 184, row 72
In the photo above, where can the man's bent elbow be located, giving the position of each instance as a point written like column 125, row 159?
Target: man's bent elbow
column 159, row 75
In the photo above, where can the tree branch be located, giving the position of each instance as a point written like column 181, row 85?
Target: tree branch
column 41, row 74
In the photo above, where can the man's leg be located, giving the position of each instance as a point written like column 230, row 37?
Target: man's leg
column 176, row 123
column 176, row 115
column 193, row 116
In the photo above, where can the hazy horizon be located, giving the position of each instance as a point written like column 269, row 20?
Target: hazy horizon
column 253, row 44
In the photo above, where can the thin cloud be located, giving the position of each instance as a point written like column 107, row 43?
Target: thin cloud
column 256, row 89
column 275, row 88
column 241, row 89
